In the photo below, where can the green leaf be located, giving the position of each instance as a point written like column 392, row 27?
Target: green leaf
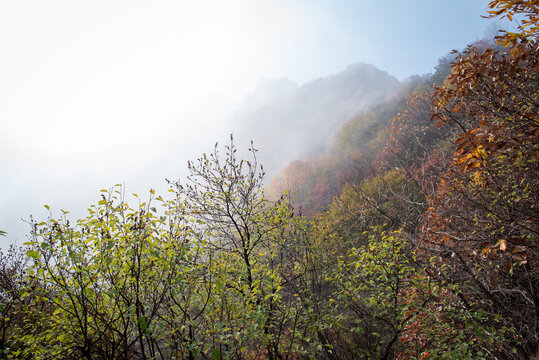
column 143, row 323
column 216, row 354
column 219, row 283
column 32, row 254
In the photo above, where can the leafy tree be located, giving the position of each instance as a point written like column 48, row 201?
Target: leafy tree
column 373, row 286
column 528, row 28
column 483, row 217
column 414, row 143
column 109, row 279
column 392, row 199
column 248, row 242
column 17, row 293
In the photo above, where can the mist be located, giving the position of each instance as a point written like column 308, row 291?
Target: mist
column 298, row 121
column 122, row 92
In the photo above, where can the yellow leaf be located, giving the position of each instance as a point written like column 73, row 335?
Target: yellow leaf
column 477, row 177
column 481, row 151
column 463, row 159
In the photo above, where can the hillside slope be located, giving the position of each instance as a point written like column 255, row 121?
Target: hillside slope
column 296, row 122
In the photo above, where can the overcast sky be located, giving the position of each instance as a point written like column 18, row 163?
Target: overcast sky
column 95, row 93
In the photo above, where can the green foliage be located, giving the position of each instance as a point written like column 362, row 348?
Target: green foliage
column 427, row 250
column 373, row 286
column 393, row 199
column 215, row 272
column 108, row 278
column 250, row 241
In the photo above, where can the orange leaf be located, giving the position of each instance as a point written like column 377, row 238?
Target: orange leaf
column 477, row 177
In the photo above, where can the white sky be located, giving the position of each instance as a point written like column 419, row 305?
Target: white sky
column 94, row 93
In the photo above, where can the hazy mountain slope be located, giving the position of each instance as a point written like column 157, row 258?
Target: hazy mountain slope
column 298, row 122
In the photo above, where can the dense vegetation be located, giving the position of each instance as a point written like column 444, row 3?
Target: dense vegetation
column 420, row 240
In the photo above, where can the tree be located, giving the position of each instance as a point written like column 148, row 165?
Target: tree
column 392, row 199
column 17, row 293
column 527, row 32
column 248, row 240
column 483, row 218
column 109, row 280
column 379, row 290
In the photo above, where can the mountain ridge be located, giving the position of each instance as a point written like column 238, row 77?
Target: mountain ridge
column 296, row 123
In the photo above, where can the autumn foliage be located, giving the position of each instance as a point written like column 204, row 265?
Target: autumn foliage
column 484, row 214
column 413, row 236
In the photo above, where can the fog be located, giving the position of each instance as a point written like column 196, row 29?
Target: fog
column 303, row 118
column 105, row 92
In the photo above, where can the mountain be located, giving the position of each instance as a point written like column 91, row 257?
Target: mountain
column 292, row 122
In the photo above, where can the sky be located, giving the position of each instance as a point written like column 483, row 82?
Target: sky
column 95, row 93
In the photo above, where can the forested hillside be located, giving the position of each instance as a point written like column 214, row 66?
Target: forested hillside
column 412, row 236
column 303, row 118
